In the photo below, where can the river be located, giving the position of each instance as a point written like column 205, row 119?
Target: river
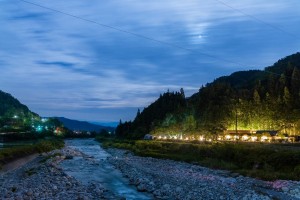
column 100, row 170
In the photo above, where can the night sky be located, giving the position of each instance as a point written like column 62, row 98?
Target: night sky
column 60, row 65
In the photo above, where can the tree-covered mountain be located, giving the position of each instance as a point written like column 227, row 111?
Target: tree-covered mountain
column 13, row 114
column 266, row 99
column 153, row 115
column 83, row 126
column 10, row 106
column 16, row 117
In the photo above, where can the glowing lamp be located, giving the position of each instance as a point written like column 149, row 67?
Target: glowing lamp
column 201, row 138
column 245, row 137
column 263, row 138
column 227, row 137
column 253, row 138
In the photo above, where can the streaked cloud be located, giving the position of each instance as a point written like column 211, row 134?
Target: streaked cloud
column 62, row 66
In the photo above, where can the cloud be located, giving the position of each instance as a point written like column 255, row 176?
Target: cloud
column 30, row 16
column 59, row 65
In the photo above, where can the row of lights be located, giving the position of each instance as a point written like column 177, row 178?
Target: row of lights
column 227, row 137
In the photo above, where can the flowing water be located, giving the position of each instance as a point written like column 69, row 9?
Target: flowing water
column 99, row 170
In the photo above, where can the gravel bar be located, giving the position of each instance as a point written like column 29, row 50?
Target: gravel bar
column 168, row 179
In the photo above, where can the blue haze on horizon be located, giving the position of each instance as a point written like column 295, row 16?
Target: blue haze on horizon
column 62, row 66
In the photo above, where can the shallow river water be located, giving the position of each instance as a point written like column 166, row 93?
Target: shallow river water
column 97, row 169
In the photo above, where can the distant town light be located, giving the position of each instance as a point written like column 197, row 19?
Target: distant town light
column 39, row 128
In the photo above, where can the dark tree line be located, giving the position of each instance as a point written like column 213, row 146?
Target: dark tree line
column 151, row 116
column 252, row 100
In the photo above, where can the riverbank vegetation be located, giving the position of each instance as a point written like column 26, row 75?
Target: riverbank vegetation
column 10, row 154
column 264, row 161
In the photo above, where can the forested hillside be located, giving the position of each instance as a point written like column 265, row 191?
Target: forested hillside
column 10, row 106
column 13, row 114
column 15, row 117
column 245, row 100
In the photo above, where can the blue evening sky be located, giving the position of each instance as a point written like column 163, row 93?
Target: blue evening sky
column 62, row 66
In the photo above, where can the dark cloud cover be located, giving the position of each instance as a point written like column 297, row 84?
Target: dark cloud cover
column 62, row 66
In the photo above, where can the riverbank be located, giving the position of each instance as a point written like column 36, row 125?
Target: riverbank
column 72, row 172
column 264, row 161
column 18, row 163
column 47, row 177
column 42, row 178
column 9, row 155
column 167, row 179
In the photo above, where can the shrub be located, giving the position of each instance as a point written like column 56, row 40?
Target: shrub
column 10, row 154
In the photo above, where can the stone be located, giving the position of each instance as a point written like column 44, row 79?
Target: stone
column 285, row 189
column 234, row 175
column 156, row 192
column 68, row 157
column 29, row 192
column 141, row 187
column 178, row 190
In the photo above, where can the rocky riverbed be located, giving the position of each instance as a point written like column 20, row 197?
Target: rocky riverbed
column 167, row 179
column 42, row 178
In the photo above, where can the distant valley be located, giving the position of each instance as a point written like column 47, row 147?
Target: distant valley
column 83, row 125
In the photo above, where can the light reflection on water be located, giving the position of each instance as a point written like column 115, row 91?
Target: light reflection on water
column 98, row 169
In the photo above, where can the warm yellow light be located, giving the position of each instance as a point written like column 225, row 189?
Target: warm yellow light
column 227, row 137
column 236, row 137
column 263, row 138
column 245, row 137
column 253, row 138
column 201, row 138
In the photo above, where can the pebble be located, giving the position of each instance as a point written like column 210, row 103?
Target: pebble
column 167, row 179
column 48, row 182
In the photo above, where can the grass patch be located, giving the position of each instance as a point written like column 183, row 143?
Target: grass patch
column 267, row 162
column 9, row 154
